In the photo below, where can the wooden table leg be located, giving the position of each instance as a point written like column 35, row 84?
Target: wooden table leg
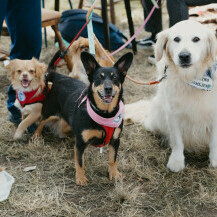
column 80, row 5
column 57, row 5
column 130, row 23
column 67, row 57
column 105, row 24
column 112, row 11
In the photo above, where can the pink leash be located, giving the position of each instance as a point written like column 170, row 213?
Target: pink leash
column 137, row 32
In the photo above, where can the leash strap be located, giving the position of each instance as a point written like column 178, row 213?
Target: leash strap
column 64, row 52
column 90, row 33
column 138, row 31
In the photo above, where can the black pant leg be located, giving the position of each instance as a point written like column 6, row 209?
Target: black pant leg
column 154, row 25
column 178, row 11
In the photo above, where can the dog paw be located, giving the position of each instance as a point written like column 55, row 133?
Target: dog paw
column 36, row 136
column 81, row 180
column 176, row 163
column 18, row 135
column 113, row 173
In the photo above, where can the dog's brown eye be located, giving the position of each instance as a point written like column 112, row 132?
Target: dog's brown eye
column 177, row 39
column 31, row 71
column 19, row 71
column 196, row 39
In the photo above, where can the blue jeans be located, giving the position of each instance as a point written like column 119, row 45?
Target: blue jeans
column 23, row 18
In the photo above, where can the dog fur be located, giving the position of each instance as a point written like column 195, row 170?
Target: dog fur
column 80, row 45
column 104, row 92
column 186, row 115
column 27, row 75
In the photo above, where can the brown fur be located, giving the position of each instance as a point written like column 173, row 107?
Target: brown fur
column 79, row 176
column 113, row 171
column 117, row 133
column 77, row 47
column 34, row 72
column 89, row 134
column 105, row 106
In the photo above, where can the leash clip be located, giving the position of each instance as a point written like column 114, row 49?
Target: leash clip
column 165, row 74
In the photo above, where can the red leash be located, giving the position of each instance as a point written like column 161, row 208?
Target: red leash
column 64, row 52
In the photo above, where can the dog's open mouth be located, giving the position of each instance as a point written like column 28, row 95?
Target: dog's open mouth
column 185, row 65
column 25, row 83
column 106, row 98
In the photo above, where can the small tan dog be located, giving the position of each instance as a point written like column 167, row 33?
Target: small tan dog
column 78, row 71
column 27, row 78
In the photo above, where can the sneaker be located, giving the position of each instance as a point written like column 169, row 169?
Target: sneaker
column 152, row 60
column 148, row 41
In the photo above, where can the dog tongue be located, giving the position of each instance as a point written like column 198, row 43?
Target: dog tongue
column 25, row 83
column 107, row 99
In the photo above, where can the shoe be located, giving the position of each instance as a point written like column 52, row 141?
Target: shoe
column 15, row 119
column 148, row 41
column 152, row 60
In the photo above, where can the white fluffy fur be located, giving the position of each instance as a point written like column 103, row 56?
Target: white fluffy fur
column 188, row 116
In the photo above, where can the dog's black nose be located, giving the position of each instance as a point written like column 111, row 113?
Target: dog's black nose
column 108, row 89
column 185, row 57
column 25, row 76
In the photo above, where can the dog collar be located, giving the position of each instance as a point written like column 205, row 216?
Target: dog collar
column 207, row 81
column 109, row 122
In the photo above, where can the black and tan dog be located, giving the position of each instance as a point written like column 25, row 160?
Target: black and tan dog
column 69, row 99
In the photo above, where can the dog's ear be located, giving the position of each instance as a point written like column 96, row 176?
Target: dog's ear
column 161, row 43
column 40, row 68
column 212, row 45
column 89, row 62
column 11, row 67
column 75, row 45
column 124, row 63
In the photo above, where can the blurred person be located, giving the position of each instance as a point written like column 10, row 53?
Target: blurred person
column 177, row 10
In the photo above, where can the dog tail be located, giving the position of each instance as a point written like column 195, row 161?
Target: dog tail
column 51, row 72
column 51, row 65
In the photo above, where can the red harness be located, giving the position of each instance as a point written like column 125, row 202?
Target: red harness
column 109, row 133
column 108, row 124
column 26, row 98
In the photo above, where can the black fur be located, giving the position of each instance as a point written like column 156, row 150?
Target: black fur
column 63, row 99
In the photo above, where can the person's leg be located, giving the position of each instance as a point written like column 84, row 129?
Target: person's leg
column 177, row 10
column 154, row 25
column 23, row 19
column 3, row 9
column 14, row 112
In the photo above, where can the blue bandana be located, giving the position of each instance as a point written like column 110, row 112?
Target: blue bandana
column 207, row 81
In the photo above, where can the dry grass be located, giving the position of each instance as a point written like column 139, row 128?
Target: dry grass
column 147, row 189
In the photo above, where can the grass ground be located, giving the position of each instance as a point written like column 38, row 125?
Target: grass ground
column 147, row 188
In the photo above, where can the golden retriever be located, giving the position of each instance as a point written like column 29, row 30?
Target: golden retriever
column 27, row 78
column 183, row 110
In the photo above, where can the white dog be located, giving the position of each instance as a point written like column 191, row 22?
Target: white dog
column 185, row 106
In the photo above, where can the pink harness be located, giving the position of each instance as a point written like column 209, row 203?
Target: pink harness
column 109, row 124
